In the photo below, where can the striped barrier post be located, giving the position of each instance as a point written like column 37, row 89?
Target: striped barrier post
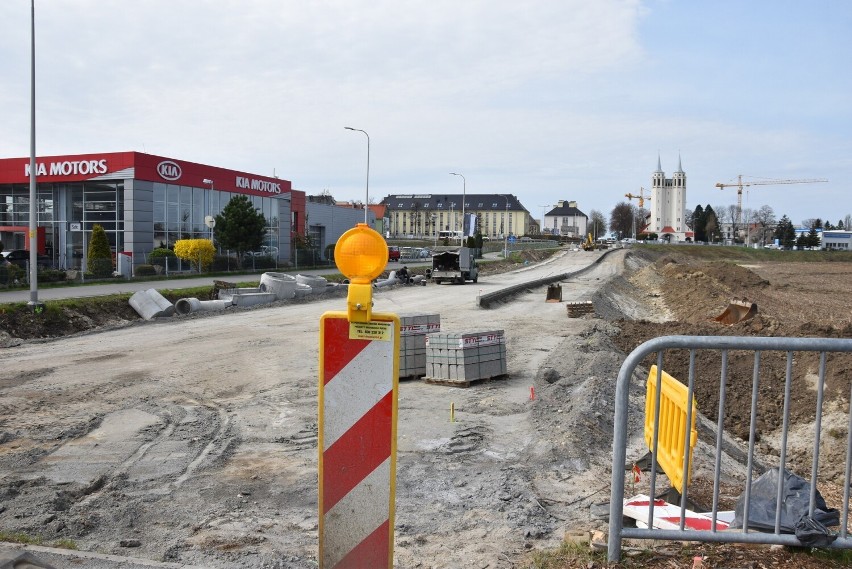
column 358, row 387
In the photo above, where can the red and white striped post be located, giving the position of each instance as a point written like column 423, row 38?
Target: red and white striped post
column 359, row 363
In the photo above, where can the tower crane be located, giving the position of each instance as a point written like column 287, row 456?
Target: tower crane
column 740, row 185
column 641, row 197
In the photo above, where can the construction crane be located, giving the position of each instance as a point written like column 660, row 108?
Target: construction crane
column 641, row 197
column 740, row 185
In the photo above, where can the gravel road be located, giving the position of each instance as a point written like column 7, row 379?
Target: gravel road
column 193, row 440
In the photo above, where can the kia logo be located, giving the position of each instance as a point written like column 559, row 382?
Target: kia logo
column 168, row 170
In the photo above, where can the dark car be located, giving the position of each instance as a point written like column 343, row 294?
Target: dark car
column 21, row 257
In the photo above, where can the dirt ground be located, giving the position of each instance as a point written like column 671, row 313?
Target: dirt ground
column 193, row 440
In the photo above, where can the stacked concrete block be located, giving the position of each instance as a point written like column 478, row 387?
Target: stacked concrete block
column 412, row 342
column 465, row 357
column 580, row 308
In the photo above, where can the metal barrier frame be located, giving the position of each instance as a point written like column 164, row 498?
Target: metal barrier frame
column 617, row 531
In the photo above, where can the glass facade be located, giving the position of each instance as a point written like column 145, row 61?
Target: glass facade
column 68, row 211
column 179, row 213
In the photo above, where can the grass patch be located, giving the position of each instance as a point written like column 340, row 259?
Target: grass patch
column 18, row 537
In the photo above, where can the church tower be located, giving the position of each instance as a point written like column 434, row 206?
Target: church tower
column 668, row 204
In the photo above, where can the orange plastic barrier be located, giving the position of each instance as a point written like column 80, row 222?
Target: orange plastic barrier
column 671, row 445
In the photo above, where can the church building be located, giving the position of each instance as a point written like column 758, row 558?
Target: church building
column 668, row 205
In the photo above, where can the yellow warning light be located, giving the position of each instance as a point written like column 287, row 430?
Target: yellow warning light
column 361, row 254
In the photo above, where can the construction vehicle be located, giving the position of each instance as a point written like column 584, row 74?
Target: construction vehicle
column 589, row 243
column 454, row 266
column 740, row 185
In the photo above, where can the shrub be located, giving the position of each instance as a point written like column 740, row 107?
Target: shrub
column 52, row 275
column 223, row 263
column 199, row 252
column 145, row 271
column 99, row 261
column 259, row 262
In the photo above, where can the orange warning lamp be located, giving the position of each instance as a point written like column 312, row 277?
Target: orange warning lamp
column 361, row 254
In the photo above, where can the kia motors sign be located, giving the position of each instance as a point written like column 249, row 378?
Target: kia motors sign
column 169, row 170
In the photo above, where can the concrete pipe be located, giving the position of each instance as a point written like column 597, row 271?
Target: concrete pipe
column 151, row 304
column 317, row 284
column 189, row 305
column 280, row 284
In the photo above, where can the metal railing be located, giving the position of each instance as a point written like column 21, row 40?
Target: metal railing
column 823, row 346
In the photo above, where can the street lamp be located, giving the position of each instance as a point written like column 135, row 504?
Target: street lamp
column 505, row 231
column 367, row 198
column 464, row 199
column 34, row 304
column 435, row 227
column 209, row 220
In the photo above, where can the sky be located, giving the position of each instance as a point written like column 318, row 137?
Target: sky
column 546, row 100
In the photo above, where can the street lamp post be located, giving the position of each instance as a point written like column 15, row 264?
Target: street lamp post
column 367, row 198
column 505, row 231
column 209, row 220
column 435, row 228
column 34, row 304
column 464, row 199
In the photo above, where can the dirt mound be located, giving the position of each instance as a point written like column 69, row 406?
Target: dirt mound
column 693, row 292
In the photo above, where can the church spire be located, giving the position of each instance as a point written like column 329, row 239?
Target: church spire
column 679, row 167
column 659, row 164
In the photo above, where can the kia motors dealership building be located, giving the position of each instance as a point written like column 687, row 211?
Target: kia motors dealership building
column 142, row 201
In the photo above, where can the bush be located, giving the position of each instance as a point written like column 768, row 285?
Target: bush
column 223, row 263
column 52, row 275
column 99, row 260
column 199, row 252
column 145, row 271
column 259, row 262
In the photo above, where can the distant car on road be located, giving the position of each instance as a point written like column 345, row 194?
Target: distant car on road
column 21, row 257
column 393, row 253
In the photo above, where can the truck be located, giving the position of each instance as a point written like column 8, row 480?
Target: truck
column 456, row 266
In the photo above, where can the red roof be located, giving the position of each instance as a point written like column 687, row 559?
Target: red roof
column 668, row 229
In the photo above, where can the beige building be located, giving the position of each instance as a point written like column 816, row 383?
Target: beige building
column 427, row 215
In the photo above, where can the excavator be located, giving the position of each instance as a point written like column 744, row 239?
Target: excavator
column 588, row 243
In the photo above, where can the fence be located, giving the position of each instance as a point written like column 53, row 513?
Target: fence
column 700, row 344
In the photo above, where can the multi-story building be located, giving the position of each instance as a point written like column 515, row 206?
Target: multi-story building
column 142, row 201
column 565, row 220
column 668, row 205
column 425, row 215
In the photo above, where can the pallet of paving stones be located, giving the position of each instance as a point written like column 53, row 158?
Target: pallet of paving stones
column 464, row 358
column 412, row 349
column 580, row 308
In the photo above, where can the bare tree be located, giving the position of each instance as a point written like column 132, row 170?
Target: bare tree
column 597, row 223
column 621, row 219
column 765, row 218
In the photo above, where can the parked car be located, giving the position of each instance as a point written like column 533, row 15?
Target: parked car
column 393, row 253
column 21, row 257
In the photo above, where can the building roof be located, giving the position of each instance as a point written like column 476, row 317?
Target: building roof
column 447, row 202
column 565, row 211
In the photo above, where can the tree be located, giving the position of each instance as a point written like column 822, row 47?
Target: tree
column 698, row 223
column 199, row 252
column 621, row 219
column 711, row 225
column 597, row 223
column 688, row 218
column 785, row 233
column 240, row 227
column 765, row 217
column 99, row 260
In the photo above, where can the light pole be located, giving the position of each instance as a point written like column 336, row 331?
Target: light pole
column 34, row 304
column 209, row 220
column 464, row 199
column 505, row 231
column 541, row 229
column 367, row 198
column 435, row 228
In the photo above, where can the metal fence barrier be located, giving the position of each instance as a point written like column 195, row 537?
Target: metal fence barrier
column 823, row 346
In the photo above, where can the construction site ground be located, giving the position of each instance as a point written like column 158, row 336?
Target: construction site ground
column 192, row 440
